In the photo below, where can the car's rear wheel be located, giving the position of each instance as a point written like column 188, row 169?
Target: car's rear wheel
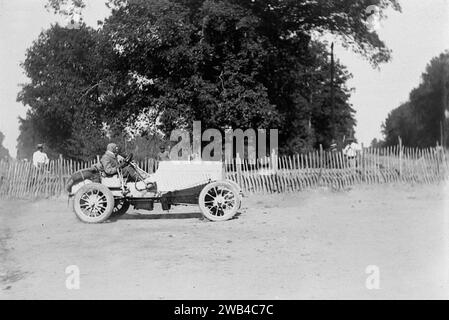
column 219, row 201
column 121, row 206
column 93, row 203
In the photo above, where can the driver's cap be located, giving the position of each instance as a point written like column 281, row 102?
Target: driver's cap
column 111, row 147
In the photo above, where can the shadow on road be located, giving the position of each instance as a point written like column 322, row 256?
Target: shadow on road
column 155, row 216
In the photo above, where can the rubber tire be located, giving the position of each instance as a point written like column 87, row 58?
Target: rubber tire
column 109, row 205
column 206, row 213
column 120, row 212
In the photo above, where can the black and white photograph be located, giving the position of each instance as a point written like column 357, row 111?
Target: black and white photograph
column 224, row 150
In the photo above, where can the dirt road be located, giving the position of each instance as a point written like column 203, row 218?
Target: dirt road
column 314, row 244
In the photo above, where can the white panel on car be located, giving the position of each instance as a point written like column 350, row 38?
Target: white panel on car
column 176, row 175
column 111, row 182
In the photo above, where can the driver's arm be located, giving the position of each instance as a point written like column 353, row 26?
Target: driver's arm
column 121, row 161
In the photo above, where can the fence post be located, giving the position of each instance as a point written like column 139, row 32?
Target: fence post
column 443, row 162
column 60, row 171
column 274, row 161
column 238, row 164
column 320, row 163
column 321, row 156
column 362, row 162
column 275, row 168
column 224, row 169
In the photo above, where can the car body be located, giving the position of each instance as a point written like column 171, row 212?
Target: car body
column 196, row 182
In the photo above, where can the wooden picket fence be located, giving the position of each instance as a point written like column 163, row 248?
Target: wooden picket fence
column 274, row 174
column 334, row 170
column 20, row 179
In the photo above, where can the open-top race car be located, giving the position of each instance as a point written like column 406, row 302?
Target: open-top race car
column 174, row 183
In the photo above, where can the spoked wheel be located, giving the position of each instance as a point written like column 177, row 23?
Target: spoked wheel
column 219, row 201
column 93, row 203
column 121, row 206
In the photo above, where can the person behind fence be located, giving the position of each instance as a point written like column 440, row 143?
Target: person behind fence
column 40, row 158
column 350, row 151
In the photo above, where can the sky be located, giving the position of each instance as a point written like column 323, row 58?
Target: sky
column 416, row 35
column 21, row 22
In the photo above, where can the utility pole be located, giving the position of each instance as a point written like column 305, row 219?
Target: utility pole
column 332, row 92
column 310, row 101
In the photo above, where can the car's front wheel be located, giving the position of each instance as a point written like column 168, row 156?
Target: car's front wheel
column 93, row 203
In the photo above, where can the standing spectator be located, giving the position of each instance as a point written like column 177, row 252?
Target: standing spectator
column 40, row 157
column 350, row 151
column 163, row 154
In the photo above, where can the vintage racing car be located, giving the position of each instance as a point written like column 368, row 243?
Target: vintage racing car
column 174, row 183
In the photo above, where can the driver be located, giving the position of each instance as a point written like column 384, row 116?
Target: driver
column 111, row 161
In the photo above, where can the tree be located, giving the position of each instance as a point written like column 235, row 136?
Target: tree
column 421, row 120
column 377, row 143
column 62, row 67
column 229, row 64
column 219, row 62
column 28, row 138
column 282, row 19
column 4, row 153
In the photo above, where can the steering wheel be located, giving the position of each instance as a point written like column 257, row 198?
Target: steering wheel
column 128, row 158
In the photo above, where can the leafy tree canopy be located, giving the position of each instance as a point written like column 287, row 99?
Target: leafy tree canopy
column 4, row 153
column 157, row 65
column 421, row 120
